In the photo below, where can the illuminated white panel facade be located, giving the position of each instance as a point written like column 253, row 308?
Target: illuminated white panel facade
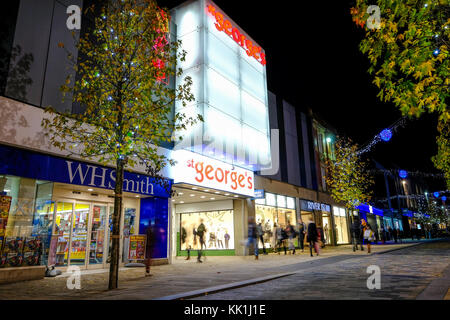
column 229, row 87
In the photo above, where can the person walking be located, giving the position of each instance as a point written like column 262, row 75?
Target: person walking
column 369, row 235
column 201, row 229
column 260, row 233
column 394, row 234
column 383, row 234
column 301, row 234
column 290, row 230
column 149, row 245
column 253, row 235
column 356, row 235
column 312, row 237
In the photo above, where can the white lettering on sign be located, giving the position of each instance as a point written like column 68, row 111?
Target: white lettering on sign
column 318, row 206
column 195, row 169
column 97, row 177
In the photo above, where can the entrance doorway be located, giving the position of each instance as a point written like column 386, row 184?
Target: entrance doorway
column 81, row 232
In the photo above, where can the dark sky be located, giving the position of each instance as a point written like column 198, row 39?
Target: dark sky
column 313, row 61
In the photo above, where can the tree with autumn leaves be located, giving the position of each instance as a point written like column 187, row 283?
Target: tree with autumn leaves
column 409, row 60
column 347, row 177
column 123, row 70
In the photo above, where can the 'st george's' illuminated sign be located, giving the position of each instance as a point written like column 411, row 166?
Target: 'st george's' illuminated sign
column 195, row 169
column 224, row 25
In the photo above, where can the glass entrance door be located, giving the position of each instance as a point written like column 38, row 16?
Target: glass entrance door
column 79, row 234
column 98, row 234
column 61, row 234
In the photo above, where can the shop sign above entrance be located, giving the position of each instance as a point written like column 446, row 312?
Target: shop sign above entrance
column 310, row 205
column 259, row 194
column 23, row 163
column 195, row 169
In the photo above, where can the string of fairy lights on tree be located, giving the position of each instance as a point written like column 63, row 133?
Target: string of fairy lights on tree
column 403, row 174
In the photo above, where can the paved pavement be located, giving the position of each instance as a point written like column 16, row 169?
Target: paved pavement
column 181, row 278
column 421, row 272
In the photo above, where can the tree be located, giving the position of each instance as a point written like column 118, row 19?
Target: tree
column 123, row 73
column 438, row 215
column 442, row 159
column 347, row 177
column 409, row 59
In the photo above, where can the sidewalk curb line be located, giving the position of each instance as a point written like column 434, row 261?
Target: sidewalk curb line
column 437, row 288
column 224, row 287
column 401, row 248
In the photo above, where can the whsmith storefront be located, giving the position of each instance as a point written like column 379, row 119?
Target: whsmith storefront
column 56, row 211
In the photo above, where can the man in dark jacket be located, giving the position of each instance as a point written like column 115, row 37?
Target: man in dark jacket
column 149, row 246
column 253, row 235
column 312, row 237
column 356, row 235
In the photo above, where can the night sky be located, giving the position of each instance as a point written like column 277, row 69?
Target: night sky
column 313, row 61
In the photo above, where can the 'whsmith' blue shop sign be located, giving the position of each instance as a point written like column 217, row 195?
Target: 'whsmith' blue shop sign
column 43, row 167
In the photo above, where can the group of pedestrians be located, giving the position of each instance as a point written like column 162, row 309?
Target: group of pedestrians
column 284, row 237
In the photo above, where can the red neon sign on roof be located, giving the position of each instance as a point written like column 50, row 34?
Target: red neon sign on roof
column 225, row 25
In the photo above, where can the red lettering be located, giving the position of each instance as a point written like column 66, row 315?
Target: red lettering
column 211, row 9
column 263, row 58
column 219, row 19
column 227, row 26
column 236, row 34
column 199, row 171
column 221, row 172
column 249, row 46
column 240, row 179
column 234, row 180
column 250, row 183
column 208, row 170
column 226, row 176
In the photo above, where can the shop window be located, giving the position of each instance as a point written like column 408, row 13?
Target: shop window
column 290, row 203
column 267, row 216
column 25, row 221
column 341, row 225
column 217, row 231
column 271, row 199
column 281, row 201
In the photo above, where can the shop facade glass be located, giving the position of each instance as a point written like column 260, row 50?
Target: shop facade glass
column 274, row 210
column 25, row 222
column 341, row 225
column 218, row 230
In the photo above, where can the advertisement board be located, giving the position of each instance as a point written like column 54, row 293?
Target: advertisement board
column 136, row 250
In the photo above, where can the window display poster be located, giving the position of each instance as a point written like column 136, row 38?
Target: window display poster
column 5, row 204
column 12, row 252
column 52, row 250
column 136, row 249
column 217, row 231
column 32, row 251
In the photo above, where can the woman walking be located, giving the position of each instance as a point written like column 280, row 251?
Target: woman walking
column 312, row 237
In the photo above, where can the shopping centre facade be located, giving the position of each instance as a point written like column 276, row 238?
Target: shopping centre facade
column 254, row 154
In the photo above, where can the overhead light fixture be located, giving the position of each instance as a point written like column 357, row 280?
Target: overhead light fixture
column 194, row 188
column 236, row 196
column 217, row 192
column 180, row 193
column 227, row 194
column 137, row 196
column 203, row 197
column 90, row 189
column 206, row 190
column 173, row 200
column 192, row 195
column 181, row 201
column 212, row 198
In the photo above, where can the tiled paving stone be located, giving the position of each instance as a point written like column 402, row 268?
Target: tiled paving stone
column 404, row 274
column 183, row 276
